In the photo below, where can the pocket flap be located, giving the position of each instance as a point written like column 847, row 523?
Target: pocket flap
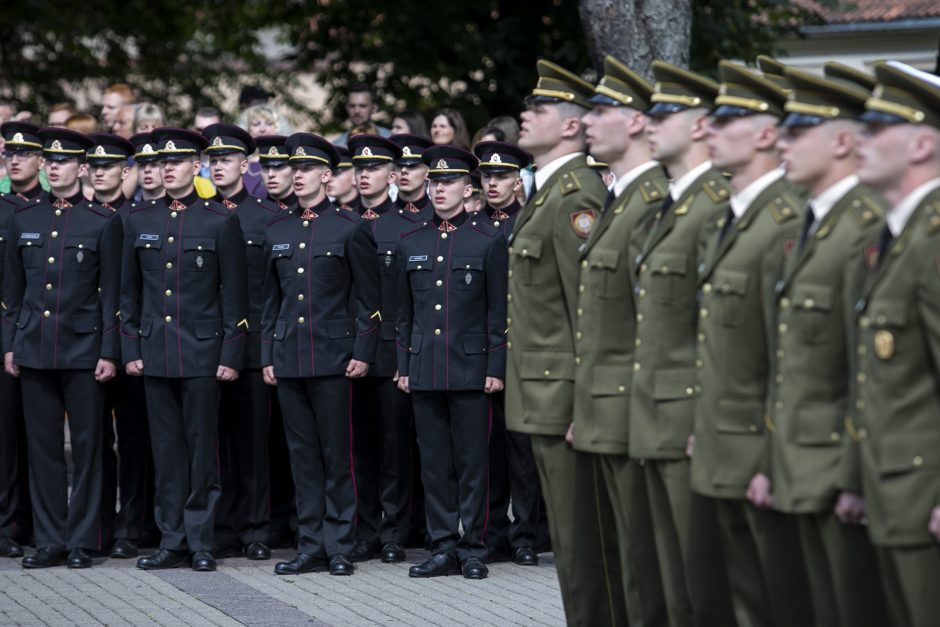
column 388, row 330
column 888, row 314
column 475, row 344
column 148, row 240
column 281, row 250
column 909, row 451
column 87, row 323
column 207, row 329
column 84, row 243
column 468, row 263
column 673, row 383
column 336, row 329
column 23, row 318
column 146, row 325
column 668, row 263
column 31, row 239
column 808, row 296
column 415, row 347
column 418, row 262
column 527, row 247
column 611, row 379
column 199, row 243
column 604, row 258
column 254, row 239
column 329, row 250
column 819, row 426
column 280, row 329
column 730, row 282
column 744, row 417
column 548, row 366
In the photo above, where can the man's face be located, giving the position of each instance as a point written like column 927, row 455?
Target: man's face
column 178, row 175
column 373, row 180
column 22, row 167
column 309, row 179
column 149, row 176
column 883, row 151
column 202, row 121
column 731, row 142
column 124, row 122
column 806, row 153
column 109, row 107
column 58, row 118
column 359, row 108
column 447, row 195
column 412, row 177
column 500, row 187
column 608, row 131
column 541, row 128
column 278, row 180
column 106, row 179
column 342, row 183
column 227, row 169
column 670, row 134
column 63, row 175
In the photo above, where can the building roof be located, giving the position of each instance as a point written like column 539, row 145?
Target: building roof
column 855, row 11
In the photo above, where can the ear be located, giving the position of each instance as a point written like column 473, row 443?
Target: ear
column 517, row 184
column 924, row 146
column 468, row 190
column 82, row 169
column 197, row 165
column 125, row 171
column 844, row 144
column 326, row 176
column 571, row 127
column 699, row 128
column 767, row 138
column 637, row 123
column 392, row 176
column 243, row 166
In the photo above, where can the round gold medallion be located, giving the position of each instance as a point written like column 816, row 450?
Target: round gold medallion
column 884, row 344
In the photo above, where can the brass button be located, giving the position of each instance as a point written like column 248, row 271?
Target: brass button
column 689, row 391
column 621, row 388
column 834, row 436
column 169, row 292
column 862, row 350
column 51, row 259
column 169, row 318
column 642, row 292
column 863, row 433
column 300, row 270
column 881, row 319
column 306, row 222
column 510, row 273
column 48, row 286
column 302, row 245
column 862, row 377
column 437, row 307
column 58, row 212
column 699, row 363
column 440, row 258
column 636, row 367
column 780, row 353
column 54, row 234
column 778, row 405
column 784, row 303
column 581, row 288
column 173, row 214
column 46, row 313
column 580, row 311
column 577, row 335
column 918, row 460
column 508, row 320
column 300, row 296
column 577, row 361
column 300, row 320
column 437, row 331
column 707, row 288
column 639, row 317
column 783, row 327
column 443, row 235
column 703, row 312
column 778, row 379
column 753, row 428
column 439, row 283
column 584, row 264
column 701, row 338
column 864, row 322
column 548, row 373
column 638, row 342
column 508, row 296
column 643, row 268
column 860, row 404
column 169, row 265
column 171, row 239
column 808, row 303
column 509, row 345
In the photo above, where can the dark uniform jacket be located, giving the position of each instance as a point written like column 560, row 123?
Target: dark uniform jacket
column 387, row 229
column 736, row 337
column 254, row 215
column 288, row 203
column 897, row 413
column 321, row 293
column 183, row 296
column 421, row 206
column 452, row 304
column 62, row 284
column 502, row 219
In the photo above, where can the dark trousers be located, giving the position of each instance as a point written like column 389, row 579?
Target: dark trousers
column 184, row 420
column 244, row 512
column 453, row 440
column 514, row 482
column 318, row 426
column 127, row 472
column 62, row 520
column 16, row 519
column 909, row 576
column 382, row 440
column 283, row 524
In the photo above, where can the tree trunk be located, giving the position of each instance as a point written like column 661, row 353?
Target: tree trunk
column 638, row 31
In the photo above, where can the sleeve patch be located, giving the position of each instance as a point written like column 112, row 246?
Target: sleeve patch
column 582, row 222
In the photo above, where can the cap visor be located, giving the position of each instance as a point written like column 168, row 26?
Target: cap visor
column 665, row 108
column 881, row 117
column 796, row 120
column 601, row 99
column 730, row 111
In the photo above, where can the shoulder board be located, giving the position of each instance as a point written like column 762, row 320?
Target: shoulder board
column 351, row 216
column 932, row 217
column 569, row 183
column 135, row 207
column 218, row 208
column 421, row 227
column 285, row 215
column 484, row 227
column 683, row 208
column 268, row 206
column 783, row 208
column 865, row 210
column 653, row 191
column 717, row 190
column 34, row 203
column 98, row 210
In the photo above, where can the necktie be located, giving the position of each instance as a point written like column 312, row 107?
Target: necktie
column 726, row 227
column 532, row 191
column 611, row 197
column 667, row 204
column 887, row 238
column 808, row 221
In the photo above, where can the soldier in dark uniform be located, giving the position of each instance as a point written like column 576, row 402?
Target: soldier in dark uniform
column 474, row 203
column 382, row 412
column 61, row 292
column 243, row 515
column 452, row 356
column 149, row 175
column 320, row 325
column 23, row 159
column 275, row 166
column 412, row 174
column 126, row 472
column 512, row 466
column 184, row 325
column 342, row 188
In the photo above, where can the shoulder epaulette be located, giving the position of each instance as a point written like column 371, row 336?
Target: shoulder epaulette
column 269, row 206
column 418, row 229
column 94, row 208
column 135, row 207
column 865, row 210
column 34, row 203
column 716, row 191
column 352, row 216
column 932, row 218
column 218, row 208
column 569, row 183
column 652, row 191
column 782, row 208
column 483, row 227
column 285, row 215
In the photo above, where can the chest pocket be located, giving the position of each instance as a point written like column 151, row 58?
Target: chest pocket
column 30, row 245
column 812, row 306
column 730, row 289
column 254, row 243
column 148, row 248
column 199, row 254
column 603, row 280
column 81, row 254
column 387, row 257
column 525, row 254
column 467, row 273
column 419, row 274
column 667, row 278
column 281, row 255
column 328, row 258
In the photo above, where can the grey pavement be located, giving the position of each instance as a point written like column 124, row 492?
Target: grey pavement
column 244, row 592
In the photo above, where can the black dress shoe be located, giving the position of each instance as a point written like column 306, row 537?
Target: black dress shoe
column 124, row 549
column 164, row 558
column 525, row 556
column 203, row 562
column 392, row 553
column 364, row 551
column 302, row 563
column 340, row 565
column 257, row 551
column 496, row 554
column 437, row 565
column 79, row 559
column 474, row 569
column 10, row 548
column 44, row 558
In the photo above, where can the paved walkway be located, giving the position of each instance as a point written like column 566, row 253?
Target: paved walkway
column 243, row 592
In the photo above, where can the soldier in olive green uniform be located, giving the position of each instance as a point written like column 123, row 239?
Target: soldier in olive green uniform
column 742, row 264
column 897, row 416
column 809, row 397
column 605, row 328
column 664, row 379
column 543, row 292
